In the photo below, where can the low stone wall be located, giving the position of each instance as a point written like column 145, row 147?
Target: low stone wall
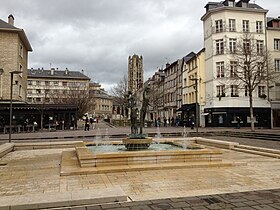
column 88, row 159
column 46, row 145
column 6, row 148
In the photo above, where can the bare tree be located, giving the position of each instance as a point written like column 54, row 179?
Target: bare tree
column 77, row 94
column 119, row 93
column 251, row 68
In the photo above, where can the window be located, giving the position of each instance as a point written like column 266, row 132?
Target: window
column 232, row 25
column 38, row 91
column 231, row 3
column 29, row 82
column 37, row 83
column 219, row 46
column 220, row 69
column 221, row 91
column 233, row 68
column 38, row 99
column 259, row 47
column 246, row 46
column 234, row 91
column 261, row 92
column 29, row 99
column 277, row 65
column 259, row 28
column 21, row 50
column 55, row 83
column 276, row 44
column 47, row 83
column 47, row 91
column 219, row 26
column 232, row 45
column 64, row 83
column 245, row 24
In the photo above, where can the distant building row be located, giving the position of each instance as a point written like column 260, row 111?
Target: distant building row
column 221, row 100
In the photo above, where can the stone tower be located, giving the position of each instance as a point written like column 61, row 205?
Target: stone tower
column 135, row 73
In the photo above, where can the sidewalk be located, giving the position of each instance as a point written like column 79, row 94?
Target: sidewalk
column 103, row 129
column 264, row 199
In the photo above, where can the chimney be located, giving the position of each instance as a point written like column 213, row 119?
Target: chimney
column 11, row 20
column 52, row 71
column 66, row 71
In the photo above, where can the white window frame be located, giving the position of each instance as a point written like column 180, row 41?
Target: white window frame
column 232, row 24
column 277, row 65
column 260, row 47
column 220, row 68
column 234, row 90
column 232, row 45
column 277, row 44
column 246, row 25
column 219, row 26
column 220, row 48
column 259, row 26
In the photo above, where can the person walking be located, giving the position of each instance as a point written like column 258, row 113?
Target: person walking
column 86, row 124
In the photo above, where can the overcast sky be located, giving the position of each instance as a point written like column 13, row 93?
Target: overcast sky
column 99, row 35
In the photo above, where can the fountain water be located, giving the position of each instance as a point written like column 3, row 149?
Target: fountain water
column 185, row 141
column 98, row 137
column 106, row 136
column 157, row 136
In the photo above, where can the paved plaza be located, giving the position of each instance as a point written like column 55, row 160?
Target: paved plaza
column 254, row 180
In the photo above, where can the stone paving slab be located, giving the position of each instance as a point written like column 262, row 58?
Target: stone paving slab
column 58, row 199
column 251, row 200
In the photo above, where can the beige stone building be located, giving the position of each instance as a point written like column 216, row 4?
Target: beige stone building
column 225, row 24
column 101, row 105
column 193, row 69
column 45, row 86
column 135, row 73
column 273, row 45
column 14, row 47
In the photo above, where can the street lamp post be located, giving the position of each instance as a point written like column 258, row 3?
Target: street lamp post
column 196, row 103
column 11, row 102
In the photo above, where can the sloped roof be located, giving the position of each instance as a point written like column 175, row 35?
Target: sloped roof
column 66, row 74
column 4, row 26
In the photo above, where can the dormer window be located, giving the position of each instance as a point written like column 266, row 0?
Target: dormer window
column 245, row 4
column 231, row 3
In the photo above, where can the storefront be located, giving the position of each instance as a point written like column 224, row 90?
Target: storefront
column 227, row 117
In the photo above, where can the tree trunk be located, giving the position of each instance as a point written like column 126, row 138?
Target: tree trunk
column 251, row 113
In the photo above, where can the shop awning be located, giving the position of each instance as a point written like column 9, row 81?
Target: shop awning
column 187, row 107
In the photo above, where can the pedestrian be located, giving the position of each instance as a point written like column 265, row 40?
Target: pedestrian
column 164, row 121
column 172, row 121
column 86, row 124
column 238, row 122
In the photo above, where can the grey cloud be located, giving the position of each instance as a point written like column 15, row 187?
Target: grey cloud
column 99, row 35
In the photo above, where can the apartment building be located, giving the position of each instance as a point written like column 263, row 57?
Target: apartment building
column 101, row 105
column 172, row 89
column 14, row 47
column 135, row 73
column 46, row 86
column 193, row 72
column 224, row 26
column 273, row 45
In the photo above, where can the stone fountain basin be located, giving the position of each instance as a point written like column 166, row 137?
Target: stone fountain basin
column 87, row 158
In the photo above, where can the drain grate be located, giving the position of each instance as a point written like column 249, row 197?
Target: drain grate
column 212, row 200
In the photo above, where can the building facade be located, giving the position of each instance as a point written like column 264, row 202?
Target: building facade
column 135, row 73
column 225, row 24
column 14, row 47
column 101, row 105
column 193, row 71
column 273, row 45
column 49, row 86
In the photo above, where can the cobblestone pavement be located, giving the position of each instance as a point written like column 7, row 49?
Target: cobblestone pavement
column 254, row 185
column 253, row 200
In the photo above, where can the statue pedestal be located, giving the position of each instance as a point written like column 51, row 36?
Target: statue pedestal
column 133, row 144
